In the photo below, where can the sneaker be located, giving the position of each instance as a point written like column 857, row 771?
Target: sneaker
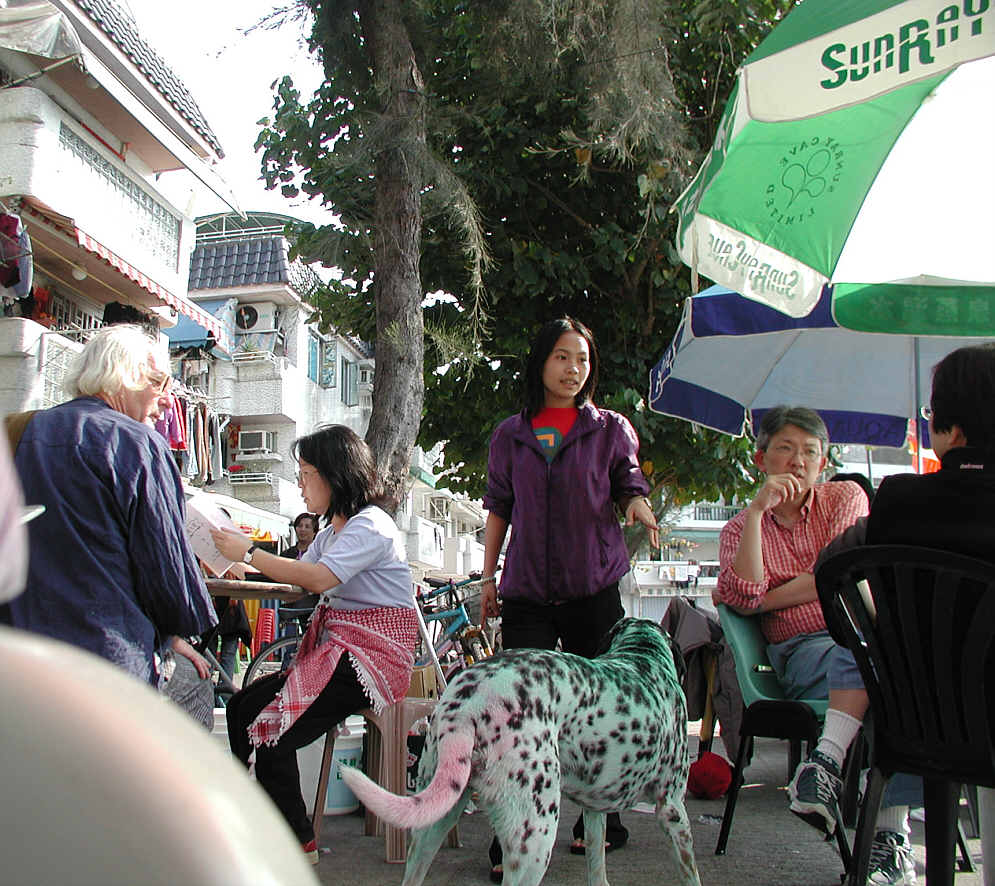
column 892, row 862
column 311, row 851
column 815, row 792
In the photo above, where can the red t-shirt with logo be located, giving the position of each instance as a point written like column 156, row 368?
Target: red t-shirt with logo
column 551, row 425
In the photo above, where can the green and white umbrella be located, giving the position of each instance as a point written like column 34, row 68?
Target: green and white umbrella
column 858, row 151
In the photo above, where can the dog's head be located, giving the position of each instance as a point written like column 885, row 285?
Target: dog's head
column 642, row 637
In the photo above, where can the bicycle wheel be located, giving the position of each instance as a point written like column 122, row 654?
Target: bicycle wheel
column 272, row 659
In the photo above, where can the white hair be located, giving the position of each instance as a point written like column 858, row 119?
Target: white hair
column 116, row 358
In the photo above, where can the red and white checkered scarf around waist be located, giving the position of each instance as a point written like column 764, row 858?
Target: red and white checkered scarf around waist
column 380, row 643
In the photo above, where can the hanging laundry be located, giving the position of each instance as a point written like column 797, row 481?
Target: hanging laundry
column 169, row 425
column 15, row 256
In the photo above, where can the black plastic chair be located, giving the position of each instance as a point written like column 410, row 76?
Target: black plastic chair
column 922, row 630
column 768, row 713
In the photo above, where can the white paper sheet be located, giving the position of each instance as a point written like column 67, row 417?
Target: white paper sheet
column 202, row 516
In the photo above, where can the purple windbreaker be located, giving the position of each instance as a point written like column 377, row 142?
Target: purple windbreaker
column 566, row 539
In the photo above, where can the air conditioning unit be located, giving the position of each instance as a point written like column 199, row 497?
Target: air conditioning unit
column 263, row 316
column 256, row 441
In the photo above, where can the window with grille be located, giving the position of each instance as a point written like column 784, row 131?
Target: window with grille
column 313, row 356
column 329, row 358
column 70, row 319
column 350, row 382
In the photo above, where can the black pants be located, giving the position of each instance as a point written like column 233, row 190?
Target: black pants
column 276, row 765
column 579, row 626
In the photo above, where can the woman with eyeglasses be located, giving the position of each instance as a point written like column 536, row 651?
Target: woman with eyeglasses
column 357, row 563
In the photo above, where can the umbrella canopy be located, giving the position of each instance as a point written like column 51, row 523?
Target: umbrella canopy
column 733, row 358
column 855, row 150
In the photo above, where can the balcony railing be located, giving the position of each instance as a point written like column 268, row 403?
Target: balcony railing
column 246, row 478
column 149, row 222
column 715, row 513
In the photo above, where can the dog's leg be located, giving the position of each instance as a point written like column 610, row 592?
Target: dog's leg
column 673, row 820
column 594, row 838
column 425, row 842
column 527, row 850
column 525, row 822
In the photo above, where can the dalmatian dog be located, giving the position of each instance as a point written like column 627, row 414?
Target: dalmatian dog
column 525, row 726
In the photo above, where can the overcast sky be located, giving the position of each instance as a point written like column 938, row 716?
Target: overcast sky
column 229, row 75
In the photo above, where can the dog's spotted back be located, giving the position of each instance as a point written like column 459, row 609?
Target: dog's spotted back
column 602, row 731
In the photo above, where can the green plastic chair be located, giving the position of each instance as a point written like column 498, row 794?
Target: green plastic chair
column 768, row 713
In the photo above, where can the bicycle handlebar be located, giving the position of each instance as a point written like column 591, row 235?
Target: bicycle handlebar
column 449, row 583
column 441, row 586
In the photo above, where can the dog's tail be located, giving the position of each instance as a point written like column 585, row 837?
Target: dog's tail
column 427, row 806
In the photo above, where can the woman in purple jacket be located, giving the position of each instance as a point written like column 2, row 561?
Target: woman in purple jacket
column 555, row 474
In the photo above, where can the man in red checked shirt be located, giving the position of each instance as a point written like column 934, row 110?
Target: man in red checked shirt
column 767, row 552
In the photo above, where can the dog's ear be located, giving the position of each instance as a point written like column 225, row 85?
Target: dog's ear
column 609, row 638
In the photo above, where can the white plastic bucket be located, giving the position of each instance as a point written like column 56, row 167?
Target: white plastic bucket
column 339, row 800
column 220, row 729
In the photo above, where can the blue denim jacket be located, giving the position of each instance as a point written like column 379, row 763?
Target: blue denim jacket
column 111, row 568
column 566, row 538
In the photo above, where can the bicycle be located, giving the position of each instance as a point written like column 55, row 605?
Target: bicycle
column 277, row 656
column 455, row 641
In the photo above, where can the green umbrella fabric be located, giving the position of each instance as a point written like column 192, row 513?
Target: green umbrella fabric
column 856, row 151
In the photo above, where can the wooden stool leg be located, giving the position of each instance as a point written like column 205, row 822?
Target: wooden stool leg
column 374, row 766
column 395, row 762
column 707, row 731
column 318, row 816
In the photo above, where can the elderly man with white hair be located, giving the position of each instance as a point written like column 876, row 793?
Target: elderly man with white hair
column 110, row 566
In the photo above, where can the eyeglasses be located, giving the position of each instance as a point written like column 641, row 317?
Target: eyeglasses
column 159, row 380
column 304, row 475
column 926, row 412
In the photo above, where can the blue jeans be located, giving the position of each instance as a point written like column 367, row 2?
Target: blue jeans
column 808, row 666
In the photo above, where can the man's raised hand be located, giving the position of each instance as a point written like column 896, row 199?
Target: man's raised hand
column 777, row 489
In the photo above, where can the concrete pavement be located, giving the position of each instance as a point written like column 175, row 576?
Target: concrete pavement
column 768, row 846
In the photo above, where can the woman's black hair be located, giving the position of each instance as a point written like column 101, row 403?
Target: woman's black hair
column 346, row 464
column 542, row 347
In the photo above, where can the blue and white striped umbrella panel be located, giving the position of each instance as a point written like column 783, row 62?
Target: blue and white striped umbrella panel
column 732, row 359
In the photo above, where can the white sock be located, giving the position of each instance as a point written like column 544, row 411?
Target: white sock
column 894, row 818
column 838, row 733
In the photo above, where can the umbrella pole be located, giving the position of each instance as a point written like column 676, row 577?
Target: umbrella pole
column 916, row 404
column 870, row 472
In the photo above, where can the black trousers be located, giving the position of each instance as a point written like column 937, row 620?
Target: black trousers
column 276, row 765
column 580, row 626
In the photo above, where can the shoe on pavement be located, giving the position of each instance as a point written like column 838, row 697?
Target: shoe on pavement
column 892, row 862
column 815, row 792
column 311, row 851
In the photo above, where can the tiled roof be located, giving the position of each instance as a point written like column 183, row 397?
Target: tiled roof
column 216, row 265
column 122, row 30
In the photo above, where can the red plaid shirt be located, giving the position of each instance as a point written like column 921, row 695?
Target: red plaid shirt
column 789, row 551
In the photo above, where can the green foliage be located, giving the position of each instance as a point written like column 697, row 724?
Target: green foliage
column 570, row 133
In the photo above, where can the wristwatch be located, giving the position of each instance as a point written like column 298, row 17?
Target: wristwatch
column 247, row 557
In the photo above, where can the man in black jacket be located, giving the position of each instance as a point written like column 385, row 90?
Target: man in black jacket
column 952, row 509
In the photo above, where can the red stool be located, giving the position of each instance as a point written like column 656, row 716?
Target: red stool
column 265, row 630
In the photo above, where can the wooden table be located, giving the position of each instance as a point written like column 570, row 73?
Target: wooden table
column 253, row 590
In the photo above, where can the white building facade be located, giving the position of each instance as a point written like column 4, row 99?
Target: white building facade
column 89, row 116
column 278, row 376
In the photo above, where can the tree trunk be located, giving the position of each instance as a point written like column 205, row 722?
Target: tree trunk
column 399, row 384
